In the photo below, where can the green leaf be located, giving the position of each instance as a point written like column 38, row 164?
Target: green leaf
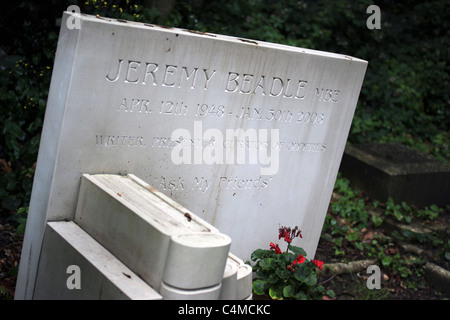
column 267, row 263
column 273, row 278
column 301, row 296
column 260, row 286
column 311, row 279
column 331, row 293
column 297, row 250
column 283, row 273
column 276, row 292
column 21, row 228
column 386, row 261
column 306, row 275
column 359, row 245
column 377, row 220
column 398, row 215
column 259, row 254
column 288, row 291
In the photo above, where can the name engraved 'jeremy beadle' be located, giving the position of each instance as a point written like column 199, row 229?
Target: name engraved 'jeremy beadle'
column 177, row 76
column 266, row 86
column 150, row 73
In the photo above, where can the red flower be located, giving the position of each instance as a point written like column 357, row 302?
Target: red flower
column 275, row 247
column 281, row 232
column 287, row 238
column 289, row 234
column 300, row 259
column 318, row 263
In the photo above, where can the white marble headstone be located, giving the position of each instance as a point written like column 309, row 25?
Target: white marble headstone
column 247, row 135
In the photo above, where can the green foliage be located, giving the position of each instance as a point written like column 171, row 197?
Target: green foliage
column 20, row 219
column 357, row 287
column 400, row 212
column 344, row 229
column 4, row 295
column 24, row 92
column 287, row 275
column 405, row 213
column 277, row 277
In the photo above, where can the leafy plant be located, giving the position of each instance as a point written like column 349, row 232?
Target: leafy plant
column 397, row 210
column 404, row 212
column 4, row 295
column 430, row 212
column 287, row 275
column 21, row 219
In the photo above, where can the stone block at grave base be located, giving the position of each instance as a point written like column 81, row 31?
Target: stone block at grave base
column 74, row 266
column 156, row 239
column 172, row 293
column 396, row 171
column 244, row 279
column 177, row 254
column 196, row 260
column 229, row 281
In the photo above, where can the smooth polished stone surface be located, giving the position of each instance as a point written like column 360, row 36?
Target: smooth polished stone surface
column 229, row 281
column 196, row 260
column 154, row 239
column 171, row 293
column 101, row 276
column 244, row 278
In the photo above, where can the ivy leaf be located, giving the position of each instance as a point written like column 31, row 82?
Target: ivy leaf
column 447, row 255
column 398, row 215
column 377, row 220
column 386, row 261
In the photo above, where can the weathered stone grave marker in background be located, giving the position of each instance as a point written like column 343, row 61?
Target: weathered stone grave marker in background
column 394, row 170
column 247, row 135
